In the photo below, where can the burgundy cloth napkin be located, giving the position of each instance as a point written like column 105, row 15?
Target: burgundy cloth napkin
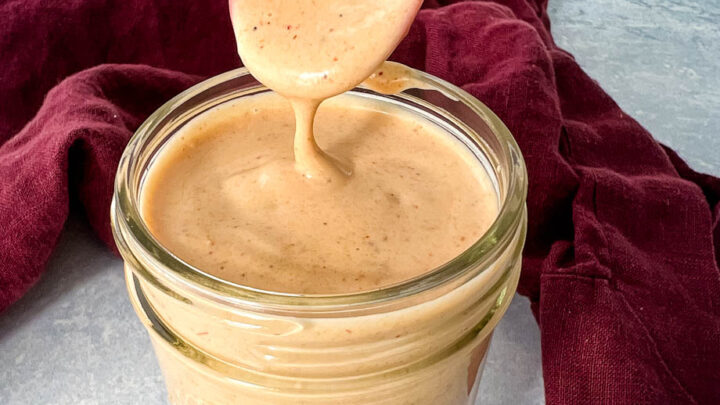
column 623, row 242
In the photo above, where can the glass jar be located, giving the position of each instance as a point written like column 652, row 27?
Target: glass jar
column 422, row 341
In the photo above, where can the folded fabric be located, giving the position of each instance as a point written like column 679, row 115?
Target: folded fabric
column 621, row 258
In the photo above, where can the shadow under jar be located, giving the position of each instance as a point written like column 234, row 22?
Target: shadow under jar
column 422, row 341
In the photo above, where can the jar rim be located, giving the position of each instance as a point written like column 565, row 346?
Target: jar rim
column 129, row 228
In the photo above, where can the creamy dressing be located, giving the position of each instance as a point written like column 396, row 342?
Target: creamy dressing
column 385, row 199
column 297, row 192
column 309, row 50
column 224, row 196
column 315, row 49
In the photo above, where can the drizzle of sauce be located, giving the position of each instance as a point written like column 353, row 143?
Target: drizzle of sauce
column 310, row 50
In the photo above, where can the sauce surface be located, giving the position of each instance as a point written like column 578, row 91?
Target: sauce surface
column 224, row 196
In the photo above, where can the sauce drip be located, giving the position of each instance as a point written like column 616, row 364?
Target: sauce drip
column 310, row 50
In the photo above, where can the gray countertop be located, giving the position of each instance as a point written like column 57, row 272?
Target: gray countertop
column 74, row 339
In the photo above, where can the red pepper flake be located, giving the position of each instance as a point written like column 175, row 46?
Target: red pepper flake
column 380, row 73
column 202, row 333
column 335, row 59
column 295, row 36
column 348, row 331
column 289, row 27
